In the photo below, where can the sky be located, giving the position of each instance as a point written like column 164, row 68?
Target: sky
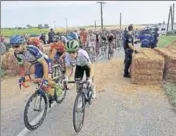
column 81, row 13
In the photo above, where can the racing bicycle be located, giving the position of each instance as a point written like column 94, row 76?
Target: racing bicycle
column 84, row 96
column 110, row 50
column 41, row 98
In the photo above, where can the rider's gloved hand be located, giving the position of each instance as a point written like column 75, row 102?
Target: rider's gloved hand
column 22, row 79
column 45, row 83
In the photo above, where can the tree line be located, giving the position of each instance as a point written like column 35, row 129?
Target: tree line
column 28, row 26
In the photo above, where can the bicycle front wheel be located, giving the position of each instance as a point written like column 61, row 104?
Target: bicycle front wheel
column 79, row 107
column 36, row 120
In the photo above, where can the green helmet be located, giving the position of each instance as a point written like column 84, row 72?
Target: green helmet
column 72, row 46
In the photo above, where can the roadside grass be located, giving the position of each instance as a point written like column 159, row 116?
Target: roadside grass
column 169, row 88
column 170, row 92
column 2, row 73
column 166, row 40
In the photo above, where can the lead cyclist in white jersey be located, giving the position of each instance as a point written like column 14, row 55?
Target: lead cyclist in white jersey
column 83, row 63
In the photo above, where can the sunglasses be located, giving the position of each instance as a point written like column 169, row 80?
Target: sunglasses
column 15, row 45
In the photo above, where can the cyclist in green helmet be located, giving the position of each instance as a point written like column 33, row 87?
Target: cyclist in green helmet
column 83, row 63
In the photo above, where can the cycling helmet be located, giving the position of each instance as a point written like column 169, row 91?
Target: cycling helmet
column 17, row 40
column 72, row 46
column 56, row 38
column 33, row 41
column 63, row 39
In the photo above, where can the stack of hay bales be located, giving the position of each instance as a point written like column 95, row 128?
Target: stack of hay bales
column 10, row 65
column 169, row 55
column 147, row 67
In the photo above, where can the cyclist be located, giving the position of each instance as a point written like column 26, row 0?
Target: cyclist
column 83, row 63
column 91, row 39
column 72, row 35
column 110, row 39
column 36, row 42
column 64, row 39
column 57, row 52
column 83, row 37
column 32, row 54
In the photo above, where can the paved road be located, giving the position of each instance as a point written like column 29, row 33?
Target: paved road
column 113, row 113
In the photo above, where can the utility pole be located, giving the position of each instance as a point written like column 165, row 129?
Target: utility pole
column 120, row 21
column 66, row 25
column 169, row 16
column 95, row 24
column 54, row 22
column 173, row 13
column 101, row 11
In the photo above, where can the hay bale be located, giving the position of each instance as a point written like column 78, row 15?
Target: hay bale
column 147, row 67
column 9, row 63
column 169, row 55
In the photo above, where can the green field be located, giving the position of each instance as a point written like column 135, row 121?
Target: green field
column 10, row 32
column 166, row 40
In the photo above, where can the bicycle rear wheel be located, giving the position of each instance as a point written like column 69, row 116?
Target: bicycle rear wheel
column 79, row 106
column 34, row 124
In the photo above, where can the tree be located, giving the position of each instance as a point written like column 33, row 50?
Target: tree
column 40, row 26
column 28, row 26
column 164, row 22
column 46, row 25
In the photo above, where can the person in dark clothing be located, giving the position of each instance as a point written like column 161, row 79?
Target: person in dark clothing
column 51, row 35
column 155, row 37
column 129, row 48
column 43, row 38
column 124, row 36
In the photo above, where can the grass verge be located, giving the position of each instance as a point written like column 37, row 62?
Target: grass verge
column 165, row 40
column 170, row 92
column 2, row 73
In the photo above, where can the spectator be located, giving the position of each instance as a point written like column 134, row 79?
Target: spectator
column 51, row 35
column 43, row 38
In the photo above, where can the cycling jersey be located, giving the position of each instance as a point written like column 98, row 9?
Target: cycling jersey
column 82, row 65
column 33, row 55
column 110, row 38
column 92, row 37
column 72, row 36
column 82, row 58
